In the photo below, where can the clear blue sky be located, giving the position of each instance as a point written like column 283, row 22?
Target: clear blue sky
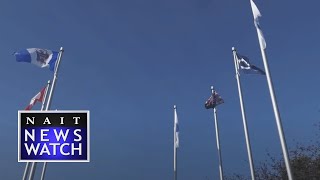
column 129, row 62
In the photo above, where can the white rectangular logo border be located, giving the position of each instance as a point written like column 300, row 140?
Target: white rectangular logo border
column 54, row 111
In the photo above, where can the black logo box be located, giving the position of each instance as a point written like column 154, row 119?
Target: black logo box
column 69, row 119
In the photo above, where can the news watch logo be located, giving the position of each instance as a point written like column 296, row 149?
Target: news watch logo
column 53, row 136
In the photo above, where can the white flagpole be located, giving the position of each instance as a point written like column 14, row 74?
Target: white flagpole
column 45, row 95
column 245, row 127
column 218, row 139
column 56, row 69
column 174, row 144
column 276, row 114
column 26, row 169
column 272, row 94
column 49, row 99
column 34, row 164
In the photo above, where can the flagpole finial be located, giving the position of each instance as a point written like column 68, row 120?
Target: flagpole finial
column 61, row 48
column 233, row 49
column 49, row 81
column 212, row 89
column 174, row 107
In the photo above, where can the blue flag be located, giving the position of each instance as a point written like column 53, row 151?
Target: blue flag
column 247, row 67
column 40, row 57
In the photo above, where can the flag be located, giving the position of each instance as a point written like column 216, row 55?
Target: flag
column 176, row 129
column 38, row 97
column 247, row 67
column 40, row 57
column 214, row 100
column 256, row 16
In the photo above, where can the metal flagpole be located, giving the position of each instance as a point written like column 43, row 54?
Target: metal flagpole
column 174, row 144
column 45, row 95
column 33, row 169
column 26, row 169
column 56, row 69
column 34, row 164
column 49, row 99
column 245, row 127
column 276, row 111
column 218, row 139
column 262, row 43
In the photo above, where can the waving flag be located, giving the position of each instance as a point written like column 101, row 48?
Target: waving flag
column 176, row 129
column 40, row 57
column 214, row 100
column 38, row 97
column 256, row 16
column 247, row 67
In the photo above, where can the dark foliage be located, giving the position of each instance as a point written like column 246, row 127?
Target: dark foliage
column 304, row 161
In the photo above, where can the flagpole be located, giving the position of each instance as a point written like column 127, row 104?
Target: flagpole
column 45, row 95
column 217, row 138
column 34, row 164
column 56, row 69
column 26, row 169
column 174, row 145
column 245, row 127
column 49, row 99
column 256, row 14
column 33, row 169
column 276, row 110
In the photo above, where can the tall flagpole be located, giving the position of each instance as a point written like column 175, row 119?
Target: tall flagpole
column 174, row 145
column 276, row 112
column 56, row 69
column 45, row 95
column 217, row 138
column 262, row 43
column 34, row 164
column 245, row 127
column 256, row 15
column 25, row 173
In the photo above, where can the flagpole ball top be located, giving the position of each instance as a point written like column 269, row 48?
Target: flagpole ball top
column 211, row 87
column 233, row 49
column 174, row 106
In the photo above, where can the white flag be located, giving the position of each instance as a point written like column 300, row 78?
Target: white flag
column 176, row 129
column 256, row 16
column 255, row 11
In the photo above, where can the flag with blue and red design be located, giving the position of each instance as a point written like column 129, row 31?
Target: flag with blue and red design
column 214, row 100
